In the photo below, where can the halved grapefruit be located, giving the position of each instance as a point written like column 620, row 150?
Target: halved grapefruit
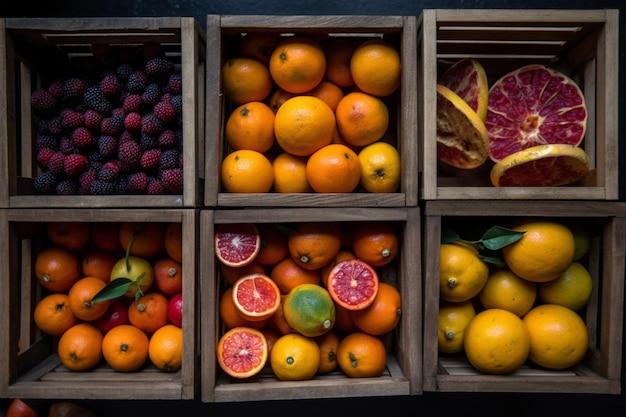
column 467, row 78
column 237, row 244
column 542, row 165
column 534, row 105
column 242, row 352
column 462, row 139
column 353, row 284
column 256, row 296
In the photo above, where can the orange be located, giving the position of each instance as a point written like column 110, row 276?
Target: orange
column 543, row 253
column 231, row 317
column 452, row 321
column 462, row 274
column 80, row 347
column 270, row 337
column 258, row 45
column 277, row 322
column 81, row 296
column 328, row 92
column 375, row 242
column 342, row 255
column 273, row 244
column 166, row 348
column 380, row 167
column 168, row 275
column 344, row 320
column 338, row 55
column 376, row 68
column 53, row 314
column 315, row 245
column 558, row 336
column 146, row 239
column 304, row 124
column 287, row 274
column 383, row 315
column 362, row 118
column 57, row 269
column 507, row 291
column 295, row 357
column 106, row 236
column 247, row 171
column 290, row 174
column 496, row 341
column 173, row 241
column 334, row 168
column 278, row 97
column 230, row 274
column 256, row 297
column 328, row 344
column 309, row 310
column 297, row 64
column 245, row 80
column 18, row 408
column 572, row 289
column 242, row 352
column 98, row 263
column 125, row 348
column 250, row 126
column 149, row 312
column 361, row 355
column 70, row 235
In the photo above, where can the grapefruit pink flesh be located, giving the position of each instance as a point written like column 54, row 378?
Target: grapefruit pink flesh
column 242, row 352
column 467, row 78
column 237, row 244
column 256, row 296
column 353, row 284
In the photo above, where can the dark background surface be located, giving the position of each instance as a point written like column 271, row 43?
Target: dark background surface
column 428, row 404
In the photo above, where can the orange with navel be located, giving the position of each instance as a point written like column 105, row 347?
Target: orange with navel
column 250, row 126
column 57, row 269
column 334, row 168
column 362, row 118
column 297, row 64
column 149, row 312
column 125, row 348
column 245, row 80
column 81, row 296
column 314, row 245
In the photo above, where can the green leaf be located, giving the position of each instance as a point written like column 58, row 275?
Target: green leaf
column 498, row 237
column 449, row 236
column 113, row 289
column 493, row 260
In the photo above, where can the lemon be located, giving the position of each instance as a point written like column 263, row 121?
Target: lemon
column 452, row 321
column 138, row 270
column 380, row 167
column 295, row 357
column 462, row 274
column 572, row 289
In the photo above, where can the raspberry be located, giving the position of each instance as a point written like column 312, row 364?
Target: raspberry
column 109, row 171
column 137, row 81
column 129, row 155
column 53, row 126
column 169, row 159
column 56, row 163
column 173, row 180
column 151, row 125
column 164, row 111
column 93, row 119
column 132, row 103
column 107, row 145
column 138, row 182
column 71, row 119
column 43, row 157
column 82, row 137
column 159, row 67
column 45, row 183
column 110, row 85
column 175, row 84
column 113, row 125
column 151, row 95
column 155, row 186
column 68, row 186
column 74, row 164
column 168, row 139
column 85, row 179
column 96, row 100
column 132, row 122
column 43, row 102
column 99, row 187
column 150, row 159
column 127, row 135
column 56, row 89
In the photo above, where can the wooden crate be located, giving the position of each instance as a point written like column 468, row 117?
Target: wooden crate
column 403, row 373
column 581, row 43
column 599, row 371
column 34, row 51
column 400, row 31
column 30, row 367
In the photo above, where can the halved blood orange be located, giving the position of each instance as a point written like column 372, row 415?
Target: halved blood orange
column 353, row 284
column 242, row 352
column 534, row 105
column 237, row 244
column 256, row 296
column 542, row 165
column 461, row 135
column 468, row 79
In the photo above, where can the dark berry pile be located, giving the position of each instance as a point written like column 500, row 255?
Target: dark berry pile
column 113, row 126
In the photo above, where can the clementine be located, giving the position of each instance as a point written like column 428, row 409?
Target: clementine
column 80, row 347
column 245, row 80
column 361, row 355
column 149, row 312
column 247, row 171
column 297, row 64
column 53, row 314
column 166, row 348
column 125, row 348
column 362, row 118
column 334, row 168
column 57, row 269
column 81, row 296
column 250, row 126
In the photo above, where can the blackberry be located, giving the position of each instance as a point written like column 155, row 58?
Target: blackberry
column 68, row 186
column 66, row 145
column 127, row 135
column 129, row 155
column 45, row 183
column 159, row 67
column 56, row 88
column 148, row 142
column 43, row 102
column 110, row 171
column 43, row 157
column 173, row 180
column 151, row 95
column 86, row 178
column 110, row 85
column 96, row 100
column 113, row 125
column 107, row 145
column 56, row 163
column 99, row 187
column 73, row 89
column 155, row 186
column 151, row 125
column 53, row 126
column 123, row 186
column 169, row 159
column 46, row 142
column 137, row 81
column 175, row 84
column 124, row 70
column 177, row 103
column 164, row 111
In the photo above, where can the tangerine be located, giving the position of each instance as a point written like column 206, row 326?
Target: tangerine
column 168, row 275
column 53, row 314
column 57, row 269
column 361, row 355
column 125, row 348
column 375, row 242
column 314, row 245
column 165, row 349
column 81, row 296
column 98, row 263
column 297, row 64
column 245, row 80
column 376, row 68
column 362, row 119
column 246, row 171
column 334, row 168
column 80, row 347
column 287, row 274
column 383, row 315
column 149, row 312
column 70, row 235
column 250, row 126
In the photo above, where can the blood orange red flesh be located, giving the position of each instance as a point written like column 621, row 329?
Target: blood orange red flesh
column 237, row 244
column 353, row 284
column 534, row 105
column 242, row 352
column 468, row 79
column 542, row 165
column 256, row 296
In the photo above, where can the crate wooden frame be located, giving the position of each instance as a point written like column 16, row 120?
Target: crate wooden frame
column 600, row 370
column 403, row 373
column 401, row 28
column 36, row 371
column 184, row 41
column 582, row 43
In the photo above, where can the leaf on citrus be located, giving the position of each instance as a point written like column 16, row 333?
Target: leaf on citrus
column 353, row 284
column 242, row 352
column 237, row 244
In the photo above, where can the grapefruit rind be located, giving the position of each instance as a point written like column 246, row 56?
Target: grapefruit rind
column 256, row 296
column 353, row 284
column 534, row 105
column 468, row 79
column 542, row 165
column 462, row 140
column 237, row 245
column 242, row 352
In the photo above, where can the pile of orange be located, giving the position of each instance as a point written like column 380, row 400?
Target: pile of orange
column 289, row 319
column 310, row 115
column 527, row 310
column 124, row 330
